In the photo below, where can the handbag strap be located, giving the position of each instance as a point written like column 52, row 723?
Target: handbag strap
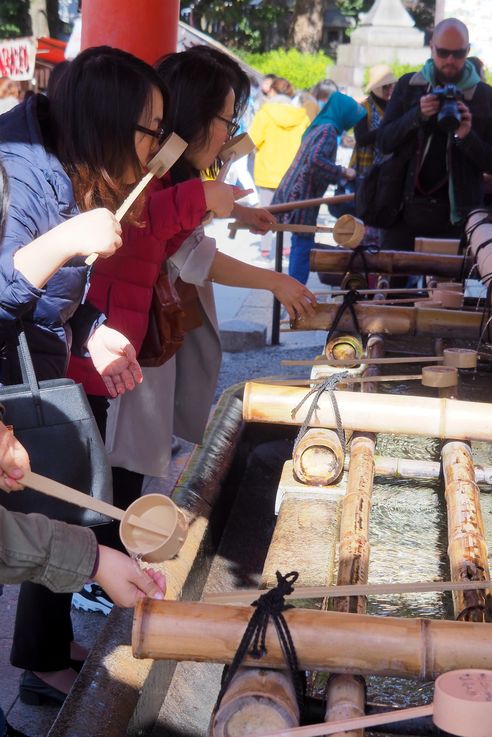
column 28, row 372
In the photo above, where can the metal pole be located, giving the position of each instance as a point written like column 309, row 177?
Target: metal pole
column 279, row 247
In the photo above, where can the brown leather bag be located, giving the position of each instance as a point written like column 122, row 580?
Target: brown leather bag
column 174, row 310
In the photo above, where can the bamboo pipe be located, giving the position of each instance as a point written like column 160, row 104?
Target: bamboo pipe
column 247, row 596
column 337, row 260
column 316, row 202
column 318, row 457
column 256, row 697
column 480, row 234
column 346, row 694
column 467, row 548
column 422, row 416
column 345, row 699
column 342, row 347
column 329, row 641
column 376, row 318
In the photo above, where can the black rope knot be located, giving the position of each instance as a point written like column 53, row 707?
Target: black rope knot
column 359, row 255
column 349, row 301
column 269, row 605
column 328, row 385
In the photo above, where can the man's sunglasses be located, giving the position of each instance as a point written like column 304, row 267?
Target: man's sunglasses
column 455, row 53
column 160, row 133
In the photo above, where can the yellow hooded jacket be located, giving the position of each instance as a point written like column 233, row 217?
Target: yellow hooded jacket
column 276, row 131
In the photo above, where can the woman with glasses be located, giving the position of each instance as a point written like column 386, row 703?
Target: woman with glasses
column 205, row 93
column 78, row 150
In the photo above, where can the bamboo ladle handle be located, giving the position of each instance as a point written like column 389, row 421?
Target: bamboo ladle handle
column 67, row 494
column 346, row 725
column 166, row 156
column 246, row 596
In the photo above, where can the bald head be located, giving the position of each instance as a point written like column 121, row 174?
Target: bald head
column 451, row 28
column 450, row 46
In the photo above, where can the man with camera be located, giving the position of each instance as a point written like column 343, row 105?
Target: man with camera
column 438, row 128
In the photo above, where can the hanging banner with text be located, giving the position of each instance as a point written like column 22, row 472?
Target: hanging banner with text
column 17, row 58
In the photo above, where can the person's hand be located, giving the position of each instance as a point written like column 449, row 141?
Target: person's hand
column 429, row 106
column 349, row 173
column 466, row 120
column 220, row 198
column 123, row 579
column 14, row 461
column 96, row 231
column 258, row 218
column 297, row 299
column 115, row 360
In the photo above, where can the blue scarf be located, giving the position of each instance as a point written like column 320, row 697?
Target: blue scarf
column 341, row 111
column 469, row 75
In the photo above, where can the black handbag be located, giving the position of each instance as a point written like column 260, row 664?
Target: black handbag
column 54, row 422
column 379, row 192
column 426, row 215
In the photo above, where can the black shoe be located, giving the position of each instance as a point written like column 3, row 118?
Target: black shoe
column 92, row 599
column 12, row 732
column 33, row 690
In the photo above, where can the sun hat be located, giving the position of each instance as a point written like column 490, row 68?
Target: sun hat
column 380, row 75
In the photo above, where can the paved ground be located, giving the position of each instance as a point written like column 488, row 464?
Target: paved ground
column 232, row 303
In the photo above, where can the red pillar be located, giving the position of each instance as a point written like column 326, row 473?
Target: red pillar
column 146, row 28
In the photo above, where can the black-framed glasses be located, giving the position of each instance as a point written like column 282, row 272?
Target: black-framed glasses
column 159, row 133
column 232, row 126
column 455, row 53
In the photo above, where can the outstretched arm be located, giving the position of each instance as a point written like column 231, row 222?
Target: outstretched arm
column 296, row 298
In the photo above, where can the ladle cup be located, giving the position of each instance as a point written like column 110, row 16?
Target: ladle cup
column 152, row 528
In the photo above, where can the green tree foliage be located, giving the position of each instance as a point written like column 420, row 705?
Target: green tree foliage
column 241, row 24
column 14, row 18
column 302, row 70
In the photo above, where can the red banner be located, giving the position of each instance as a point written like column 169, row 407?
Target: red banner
column 17, row 58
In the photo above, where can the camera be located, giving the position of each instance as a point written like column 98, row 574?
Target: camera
column 449, row 116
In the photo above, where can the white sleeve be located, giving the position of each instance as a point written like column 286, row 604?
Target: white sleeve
column 193, row 260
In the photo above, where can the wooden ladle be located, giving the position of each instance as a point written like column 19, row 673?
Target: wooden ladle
column 462, row 706
column 152, row 527
column 167, row 155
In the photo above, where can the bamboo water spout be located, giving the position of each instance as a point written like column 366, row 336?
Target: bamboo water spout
column 467, row 548
column 346, row 694
column 395, row 320
column 481, row 233
column 337, row 260
column 329, row 641
column 395, row 413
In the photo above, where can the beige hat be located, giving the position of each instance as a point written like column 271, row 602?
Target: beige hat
column 380, row 75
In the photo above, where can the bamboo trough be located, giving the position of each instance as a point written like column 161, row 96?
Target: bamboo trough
column 395, row 320
column 329, row 641
column 420, row 416
column 337, row 260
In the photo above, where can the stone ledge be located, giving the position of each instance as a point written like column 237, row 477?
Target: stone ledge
column 242, row 335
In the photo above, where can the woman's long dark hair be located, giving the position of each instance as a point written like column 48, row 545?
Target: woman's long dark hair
column 93, row 112
column 196, row 84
